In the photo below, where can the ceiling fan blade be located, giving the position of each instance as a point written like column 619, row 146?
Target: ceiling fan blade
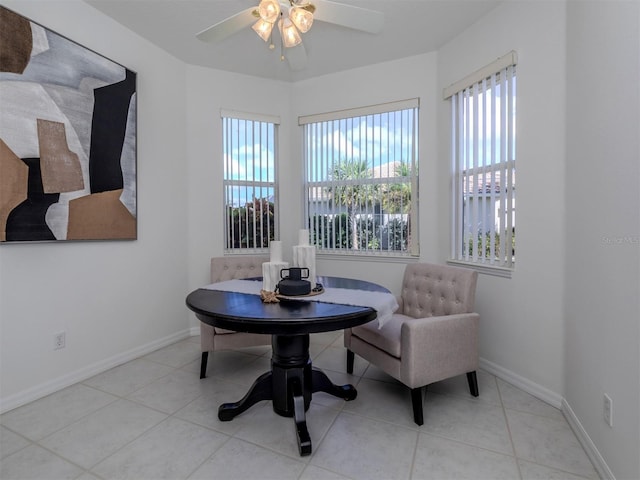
column 348, row 16
column 297, row 57
column 227, row 27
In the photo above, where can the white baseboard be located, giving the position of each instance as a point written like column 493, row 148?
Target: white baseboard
column 538, row 391
column 560, row 403
column 592, row 452
column 44, row 389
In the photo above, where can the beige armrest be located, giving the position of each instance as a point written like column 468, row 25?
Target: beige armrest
column 448, row 342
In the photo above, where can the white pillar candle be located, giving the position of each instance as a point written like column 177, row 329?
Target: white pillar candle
column 305, row 256
column 271, row 274
column 275, row 248
column 303, row 237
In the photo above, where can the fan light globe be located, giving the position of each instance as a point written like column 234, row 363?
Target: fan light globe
column 289, row 33
column 301, row 18
column 269, row 10
column 263, row 29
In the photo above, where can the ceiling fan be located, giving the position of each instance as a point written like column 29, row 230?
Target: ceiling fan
column 293, row 17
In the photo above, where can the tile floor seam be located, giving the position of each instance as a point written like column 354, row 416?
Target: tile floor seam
column 529, row 412
column 90, row 469
column 324, row 435
column 306, row 460
column 140, row 403
column 229, row 437
column 346, row 477
column 140, row 387
column 76, row 420
column 62, row 457
column 388, row 422
column 413, row 457
column 19, row 450
column 553, row 467
column 17, row 433
column 472, row 445
column 506, row 421
column 556, row 469
column 142, row 433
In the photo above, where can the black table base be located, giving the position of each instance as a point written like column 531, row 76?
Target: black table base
column 289, row 385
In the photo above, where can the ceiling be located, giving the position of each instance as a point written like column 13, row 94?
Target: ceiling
column 411, row 27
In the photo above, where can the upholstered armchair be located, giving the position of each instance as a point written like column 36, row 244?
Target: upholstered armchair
column 214, row 338
column 432, row 336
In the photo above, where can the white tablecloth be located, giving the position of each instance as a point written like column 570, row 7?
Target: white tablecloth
column 382, row 302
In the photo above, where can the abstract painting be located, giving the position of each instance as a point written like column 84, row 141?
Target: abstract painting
column 67, row 139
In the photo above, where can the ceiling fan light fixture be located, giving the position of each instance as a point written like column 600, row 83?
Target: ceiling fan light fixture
column 289, row 33
column 263, row 29
column 269, row 10
column 301, row 18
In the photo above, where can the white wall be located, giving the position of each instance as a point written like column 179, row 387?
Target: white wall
column 522, row 317
column 602, row 352
column 114, row 299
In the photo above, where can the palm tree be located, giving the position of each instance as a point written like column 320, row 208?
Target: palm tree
column 397, row 197
column 353, row 195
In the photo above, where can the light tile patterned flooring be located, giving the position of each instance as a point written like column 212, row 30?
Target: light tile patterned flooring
column 152, row 418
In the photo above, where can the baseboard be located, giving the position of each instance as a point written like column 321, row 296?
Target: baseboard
column 523, row 383
column 589, row 447
column 44, row 389
column 560, row 403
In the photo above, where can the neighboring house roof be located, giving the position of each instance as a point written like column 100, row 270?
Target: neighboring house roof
column 483, row 183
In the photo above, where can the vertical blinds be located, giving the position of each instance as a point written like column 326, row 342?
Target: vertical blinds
column 483, row 148
column 250, row 194
column 361, row 179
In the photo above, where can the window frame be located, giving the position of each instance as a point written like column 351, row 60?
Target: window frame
column 472, row 175
column 249, row 184
column 321, row 123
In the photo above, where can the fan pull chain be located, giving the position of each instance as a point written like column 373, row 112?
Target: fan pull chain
column 281, row 40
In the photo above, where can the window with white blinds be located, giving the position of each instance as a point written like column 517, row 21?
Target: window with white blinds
column 361, row 179
column 484, row 168
column 250, row 189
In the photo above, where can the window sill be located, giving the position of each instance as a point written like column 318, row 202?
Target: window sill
column 485, row 269
column 364, row 257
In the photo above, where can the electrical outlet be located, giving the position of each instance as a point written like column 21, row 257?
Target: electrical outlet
column 608, row 410
column 59, row 340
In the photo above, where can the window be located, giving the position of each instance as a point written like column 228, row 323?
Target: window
column 484, row 168
column 250, row 189
column 361, row 177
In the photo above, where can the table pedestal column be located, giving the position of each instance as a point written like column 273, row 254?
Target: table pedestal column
column 291, row 372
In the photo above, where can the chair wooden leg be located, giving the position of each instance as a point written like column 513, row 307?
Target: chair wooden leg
column 472, row 379
column 417, row 400
column 350, row 359
column 203, row 364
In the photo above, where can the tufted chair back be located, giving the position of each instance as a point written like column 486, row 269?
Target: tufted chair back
column 214, row 338
column 434, row 290
column 233, row 267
